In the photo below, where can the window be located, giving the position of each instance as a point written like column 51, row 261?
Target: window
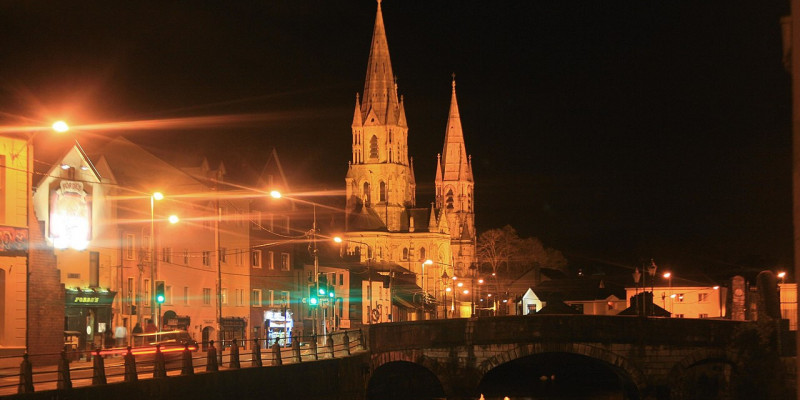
column 255, row 258
column 271, row 260
column 239, row 257
column 382, row 193
column 422, row 254
column 207, row 296
column 166, row 254
column 186, row 295
column 225, row 296
column 341, row 279
column 373, row 147
column 285, row 299
column 239, row 297
column 186, row 256
column 365, row 194
column 147, row 292
column 223, row 256
column 678, row 315
column 206, row 258
column 284, row 261
column 255, row 298
column 271, row 299
column 129, row 247
column 94, row 269
column 703, row 316
column 167, row 294
column 702, row 297
column 679, row 298
column 449, row 199
column 405, row 253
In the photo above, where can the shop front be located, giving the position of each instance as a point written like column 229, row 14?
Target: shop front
column 233, row 328
column 88, row 313
column 278, row 325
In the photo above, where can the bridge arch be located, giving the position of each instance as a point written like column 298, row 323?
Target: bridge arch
column 707, row 373
column 400, row 375
column 631, row 373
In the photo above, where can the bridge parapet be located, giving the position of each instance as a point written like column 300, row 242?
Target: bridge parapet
column 551, row 328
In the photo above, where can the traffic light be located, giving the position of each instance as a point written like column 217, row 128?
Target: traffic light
column 160, row 292
column 322, row 283
column 313, row 299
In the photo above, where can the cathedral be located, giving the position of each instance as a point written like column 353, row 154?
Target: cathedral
column 383, row 218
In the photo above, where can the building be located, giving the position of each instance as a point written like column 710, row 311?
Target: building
column 687, row 301
column 31, row 297
column 382, row 214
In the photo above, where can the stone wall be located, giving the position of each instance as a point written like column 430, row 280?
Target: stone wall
column 45, row 319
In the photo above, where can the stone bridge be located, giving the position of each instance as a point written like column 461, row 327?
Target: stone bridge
column 632, row 356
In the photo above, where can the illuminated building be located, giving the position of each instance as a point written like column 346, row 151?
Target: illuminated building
column 381, row 187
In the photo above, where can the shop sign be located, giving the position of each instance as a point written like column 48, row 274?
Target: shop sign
column 70, row 216
column 89, row 299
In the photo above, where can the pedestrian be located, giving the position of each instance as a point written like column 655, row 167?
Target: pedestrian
column 108, row 339
column 136, row 333
column 120, row 333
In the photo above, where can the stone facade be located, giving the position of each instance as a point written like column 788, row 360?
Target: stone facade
column 382, row 212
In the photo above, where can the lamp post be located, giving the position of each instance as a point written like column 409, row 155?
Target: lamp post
column 444, row 293
column 153, row 315
column 668, row 276
column 424, row 279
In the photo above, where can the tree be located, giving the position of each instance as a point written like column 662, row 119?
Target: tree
column 504, row 249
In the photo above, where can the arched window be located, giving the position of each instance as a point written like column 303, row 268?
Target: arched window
column 405, row 253
column 373, row 147
column 365, row 194
column 422, row 253
column 382, row 194
column 449, row 199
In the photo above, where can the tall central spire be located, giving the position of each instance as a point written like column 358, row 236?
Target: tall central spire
column 379, row 88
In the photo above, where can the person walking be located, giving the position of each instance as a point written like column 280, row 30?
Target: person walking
column 120, row 334
column 137, row 330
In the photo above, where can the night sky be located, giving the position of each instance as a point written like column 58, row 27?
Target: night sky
column 612, row 130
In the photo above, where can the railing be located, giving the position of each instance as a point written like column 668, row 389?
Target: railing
column 103, row 366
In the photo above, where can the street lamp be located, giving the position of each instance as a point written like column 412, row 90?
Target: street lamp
column 444, row 294
column 668, row 276
column 173, row 219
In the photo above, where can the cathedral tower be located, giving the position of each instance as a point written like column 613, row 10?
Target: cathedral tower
column 455, row 188
column 380, row 179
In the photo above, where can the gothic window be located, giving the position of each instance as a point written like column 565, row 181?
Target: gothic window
column 422, row 253
column 390, row 156
column 382, row 191
column 366, row 193
column 405, row 253
column 449, row 199
column 373, row 147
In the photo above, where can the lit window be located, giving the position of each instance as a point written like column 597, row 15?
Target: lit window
column 207, row 296
column 224, row 296
column 129, row 247
column 373, row 147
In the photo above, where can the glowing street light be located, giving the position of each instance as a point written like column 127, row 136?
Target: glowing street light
column 275, row 194
column 173, row 219
column 60, row 126
column 425, row 278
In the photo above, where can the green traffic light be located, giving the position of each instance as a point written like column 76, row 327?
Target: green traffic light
column 312, row 301
column 331, row 295
column 322, row 291
column 160, row 299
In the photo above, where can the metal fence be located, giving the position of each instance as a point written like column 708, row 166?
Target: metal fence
column 127, row 364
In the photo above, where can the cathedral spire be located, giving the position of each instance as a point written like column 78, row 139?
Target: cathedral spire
column 380, row 94
column 454, row 156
